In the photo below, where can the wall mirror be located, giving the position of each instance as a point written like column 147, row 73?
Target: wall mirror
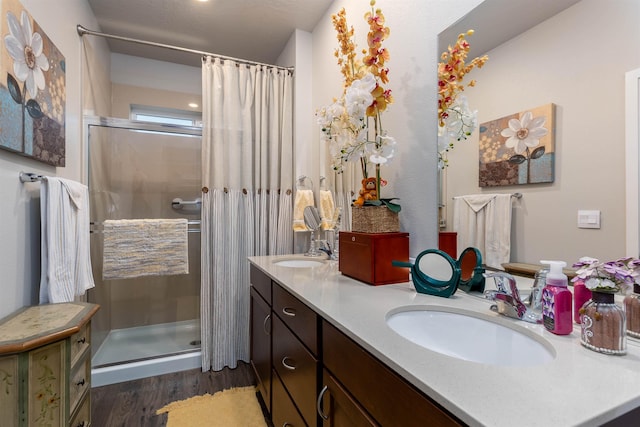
column 554, row 52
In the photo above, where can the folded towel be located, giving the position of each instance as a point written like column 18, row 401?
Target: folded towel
column 145, row 247
column 65, row 255
column 303, row 199
column 327, row 209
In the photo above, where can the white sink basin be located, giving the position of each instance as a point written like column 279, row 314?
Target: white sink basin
column 299, row 263
column 464, row 335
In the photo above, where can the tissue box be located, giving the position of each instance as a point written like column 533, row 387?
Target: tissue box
column 367, row 257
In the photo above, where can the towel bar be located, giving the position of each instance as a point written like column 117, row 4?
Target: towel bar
column 178, row 203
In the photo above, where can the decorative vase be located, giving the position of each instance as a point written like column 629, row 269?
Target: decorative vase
column 603, row 325
column 632, row 310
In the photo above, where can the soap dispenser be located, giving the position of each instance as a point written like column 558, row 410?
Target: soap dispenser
column 556, row 300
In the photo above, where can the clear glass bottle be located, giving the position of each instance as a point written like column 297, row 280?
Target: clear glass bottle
column 604, row 326
column 632, row 310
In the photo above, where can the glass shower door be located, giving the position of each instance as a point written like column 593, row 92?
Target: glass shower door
column 144, row 171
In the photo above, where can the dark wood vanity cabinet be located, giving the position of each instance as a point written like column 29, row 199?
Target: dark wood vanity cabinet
column 311, row 374
column 374, row 388
column 260, row 349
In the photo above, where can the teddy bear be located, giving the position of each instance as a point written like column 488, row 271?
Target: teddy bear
column 367, row 192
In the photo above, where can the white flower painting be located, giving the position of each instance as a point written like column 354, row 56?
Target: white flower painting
column 518, row 149
column 32, row 89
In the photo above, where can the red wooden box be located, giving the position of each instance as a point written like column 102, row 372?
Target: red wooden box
column 367, row 257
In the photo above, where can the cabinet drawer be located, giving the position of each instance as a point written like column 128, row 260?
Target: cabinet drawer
column 297, row 368
column 261, row 282
column 80, row 383
column 301, row 319
column 384, row 394
column 83, row 417
column 80, row 341
column 284, row 411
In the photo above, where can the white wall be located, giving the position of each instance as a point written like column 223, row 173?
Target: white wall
column 19, row 206
column 412, row 118
column 576, row 60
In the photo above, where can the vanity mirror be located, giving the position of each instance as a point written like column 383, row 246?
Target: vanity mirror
column 553, row 52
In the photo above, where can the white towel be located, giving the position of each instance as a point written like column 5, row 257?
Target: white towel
column 303, row 199
column 145, row 247
column 484, row 221
column 327, row 210
column 65, row 256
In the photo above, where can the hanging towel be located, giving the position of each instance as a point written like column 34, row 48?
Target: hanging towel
column 145, row 247
column 65, row 256
column 303, row 199
column 484, row 221
column 327, row 209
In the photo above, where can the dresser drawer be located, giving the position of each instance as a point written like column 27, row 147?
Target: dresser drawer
column 82, row 418
column 298, row 317
column 80, row 382
column 297, row 368
column 283, row 411
column 80, row 341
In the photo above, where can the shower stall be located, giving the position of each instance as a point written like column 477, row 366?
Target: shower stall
column 146, row 325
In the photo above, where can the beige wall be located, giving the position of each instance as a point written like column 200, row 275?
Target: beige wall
column 19, row 206
column 576, row 60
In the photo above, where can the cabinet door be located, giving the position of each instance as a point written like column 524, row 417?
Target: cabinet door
column 9, row 389
column 338, row 408
column 283, row 410
column 297, row 369
column 46, row 385
column 261, row 345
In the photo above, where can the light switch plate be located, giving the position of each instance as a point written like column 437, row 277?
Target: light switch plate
column 588, row 219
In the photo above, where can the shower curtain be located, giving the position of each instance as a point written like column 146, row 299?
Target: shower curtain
column 247, row 179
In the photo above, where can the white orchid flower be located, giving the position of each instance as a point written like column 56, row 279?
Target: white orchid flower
column 525, row 132
column 26, row 50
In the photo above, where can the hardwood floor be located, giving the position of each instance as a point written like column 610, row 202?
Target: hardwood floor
column 134, row 403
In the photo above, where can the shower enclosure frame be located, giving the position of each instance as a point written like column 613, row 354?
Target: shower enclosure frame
column 158, row 365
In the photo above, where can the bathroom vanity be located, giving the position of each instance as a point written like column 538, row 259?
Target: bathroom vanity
column 322, row 339
column 45, row 365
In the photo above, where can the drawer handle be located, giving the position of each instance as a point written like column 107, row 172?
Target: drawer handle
column 82, row 424
column 319, row 403
column 82, row 341
column 80, row 383
column 266, row 323
column 286, row 365
column 289, row 311
column 286, row 424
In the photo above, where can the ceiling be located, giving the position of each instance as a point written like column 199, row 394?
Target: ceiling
column 256, row 30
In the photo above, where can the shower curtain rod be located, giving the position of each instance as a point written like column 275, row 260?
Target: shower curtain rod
column 82, row 31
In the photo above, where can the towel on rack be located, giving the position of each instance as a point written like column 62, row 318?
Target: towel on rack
column 327, row 209
column 484, row 221
column 65, row 255
column 144, row 247
column 303, row 199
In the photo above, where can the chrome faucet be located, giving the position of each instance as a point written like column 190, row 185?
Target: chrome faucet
column 507, row 298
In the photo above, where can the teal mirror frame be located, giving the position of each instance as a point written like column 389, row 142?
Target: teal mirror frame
column 426, row 284
column 471, row 270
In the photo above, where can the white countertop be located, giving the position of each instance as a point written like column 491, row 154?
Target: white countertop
column 578, row 388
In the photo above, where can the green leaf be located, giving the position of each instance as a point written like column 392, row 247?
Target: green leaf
column 517, row 159
column 537, row 153
column 14, row 89
column 34, row 109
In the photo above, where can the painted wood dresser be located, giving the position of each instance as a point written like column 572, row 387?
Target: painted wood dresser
column 45, row 365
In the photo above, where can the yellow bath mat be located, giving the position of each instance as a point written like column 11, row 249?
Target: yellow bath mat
column 235, row 407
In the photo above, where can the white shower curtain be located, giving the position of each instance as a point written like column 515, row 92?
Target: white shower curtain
column 247, row 179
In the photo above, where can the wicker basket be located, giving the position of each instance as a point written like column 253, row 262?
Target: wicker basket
column 374, row 219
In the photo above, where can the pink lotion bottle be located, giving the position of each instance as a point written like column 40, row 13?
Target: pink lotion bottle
column 557, row 315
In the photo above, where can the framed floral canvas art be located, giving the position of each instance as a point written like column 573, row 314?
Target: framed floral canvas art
column 32, row 88
column 518, row 149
